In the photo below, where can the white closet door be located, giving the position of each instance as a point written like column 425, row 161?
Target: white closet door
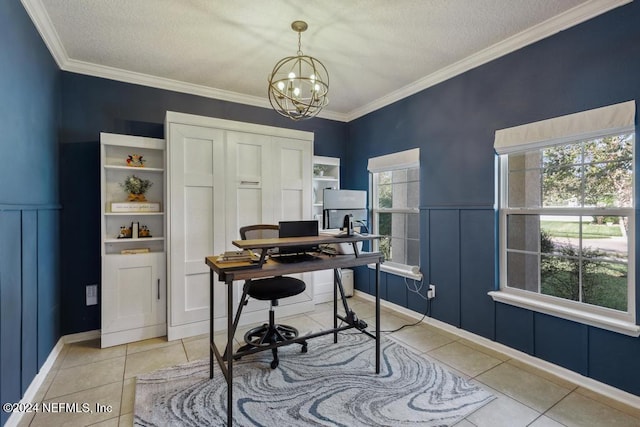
column 293, row 161
column 197, row 225
column 250, row 181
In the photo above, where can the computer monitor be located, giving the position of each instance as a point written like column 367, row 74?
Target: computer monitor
column 298, row 229
column 334, row 218
column 338, row 204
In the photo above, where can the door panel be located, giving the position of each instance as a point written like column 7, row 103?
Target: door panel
column 197, row 220
column 292, row 159
column 249, row 180
column 135, row 291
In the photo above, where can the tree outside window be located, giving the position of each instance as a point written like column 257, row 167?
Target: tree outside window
column 568, row 212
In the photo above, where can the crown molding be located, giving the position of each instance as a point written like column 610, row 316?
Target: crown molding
column 570, row 18
column 133, row 77
column 40, row 18
column 38, row 14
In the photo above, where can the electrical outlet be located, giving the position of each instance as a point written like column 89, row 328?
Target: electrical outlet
column 92, row 294
column 431, row 293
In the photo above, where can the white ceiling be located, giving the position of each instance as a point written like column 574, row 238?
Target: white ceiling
column 376, row 51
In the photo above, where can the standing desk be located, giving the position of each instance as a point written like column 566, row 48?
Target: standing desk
column 230, row 272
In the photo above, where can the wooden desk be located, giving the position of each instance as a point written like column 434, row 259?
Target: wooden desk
column 229, row 272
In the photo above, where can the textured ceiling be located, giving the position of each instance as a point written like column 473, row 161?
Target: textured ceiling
column 376, row 51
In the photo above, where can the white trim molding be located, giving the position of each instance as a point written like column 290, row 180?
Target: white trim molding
column 30, row 394
column 583, row 12
column 568, row 19
column 609, row 323
column 553, row 369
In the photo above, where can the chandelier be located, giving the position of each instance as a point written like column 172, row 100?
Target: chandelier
column 298, row 85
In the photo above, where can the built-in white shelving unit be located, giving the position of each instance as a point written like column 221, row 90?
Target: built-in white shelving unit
column 133, row 242
column 326, row 174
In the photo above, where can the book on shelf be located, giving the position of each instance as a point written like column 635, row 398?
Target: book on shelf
column 135, row 251
column 124, row 207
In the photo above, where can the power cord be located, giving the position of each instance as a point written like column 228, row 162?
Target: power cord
column 417, row 287
column 391, row 331
column 427, row 312
column 363, row 225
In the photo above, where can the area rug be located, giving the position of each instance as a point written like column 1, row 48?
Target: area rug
column 330, row 385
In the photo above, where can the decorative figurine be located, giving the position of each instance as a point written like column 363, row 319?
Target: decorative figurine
column 125, row 232
column 144, row 231
column 135, row 160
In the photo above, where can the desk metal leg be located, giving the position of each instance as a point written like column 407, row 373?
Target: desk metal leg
column 335, row 305
column 377, row 318
column 211, row 355
column 230, row 333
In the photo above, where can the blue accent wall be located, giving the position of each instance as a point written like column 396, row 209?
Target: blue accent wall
column 29, row 209
column 92, row 105
column 50, row 118
column 591, row 65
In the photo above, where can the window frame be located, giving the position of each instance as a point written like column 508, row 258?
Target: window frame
column 403, row 160
column 602, row 317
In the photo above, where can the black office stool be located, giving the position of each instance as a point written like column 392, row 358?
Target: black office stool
column 270, row 289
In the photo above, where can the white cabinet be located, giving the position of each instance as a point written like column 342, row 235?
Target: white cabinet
column 223, row 175
column 133, row 240
column 134, row 297
column 326, row 174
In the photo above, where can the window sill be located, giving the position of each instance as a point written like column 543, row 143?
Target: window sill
column 598, row 320
column 406, row 271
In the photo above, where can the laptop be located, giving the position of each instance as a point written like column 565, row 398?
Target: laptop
column 297, row 229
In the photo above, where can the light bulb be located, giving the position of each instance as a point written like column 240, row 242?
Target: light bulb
column 312, row 77
column 281, row 86
column 292, row 75
column 296, row 91
column 316, row 87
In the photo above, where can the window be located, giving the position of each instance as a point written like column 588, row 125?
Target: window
column 567, row 223
column 395, row 197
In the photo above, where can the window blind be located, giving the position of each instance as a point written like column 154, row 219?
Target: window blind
column 572, row 127
column 400, row 160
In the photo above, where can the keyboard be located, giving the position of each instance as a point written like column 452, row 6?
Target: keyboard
column 288, row 259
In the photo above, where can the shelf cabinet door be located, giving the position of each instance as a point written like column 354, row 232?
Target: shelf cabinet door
column 133, row 291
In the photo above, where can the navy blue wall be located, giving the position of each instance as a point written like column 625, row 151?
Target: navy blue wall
column 591, row 65
column 92, row 105
column 594, row 64
column 29, row 277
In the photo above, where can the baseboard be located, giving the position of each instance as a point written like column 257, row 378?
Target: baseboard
column 564, row 373
column 81, row 336
column 110, row 339
column 38, row 380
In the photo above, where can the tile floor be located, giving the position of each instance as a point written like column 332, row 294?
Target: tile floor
column 525, row 396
